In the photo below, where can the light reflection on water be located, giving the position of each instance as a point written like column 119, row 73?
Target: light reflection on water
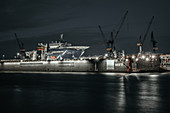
column 88, row 93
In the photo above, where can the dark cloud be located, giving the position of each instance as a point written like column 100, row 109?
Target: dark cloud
column 29, row 14
column 44, row 20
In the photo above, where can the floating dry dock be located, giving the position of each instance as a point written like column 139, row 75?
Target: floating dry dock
column 83, row 65
column 87, row 64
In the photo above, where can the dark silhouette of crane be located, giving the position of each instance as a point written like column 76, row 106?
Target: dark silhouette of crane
column 110, row 43
column 141, row 42
column 21, row 46
column 154, row 42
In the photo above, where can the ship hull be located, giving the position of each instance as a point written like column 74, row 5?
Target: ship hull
column 52, row 66
column 105, row 65
column 111, row 65
column 64, row 66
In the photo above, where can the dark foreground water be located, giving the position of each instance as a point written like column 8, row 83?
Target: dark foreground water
column 84, row 93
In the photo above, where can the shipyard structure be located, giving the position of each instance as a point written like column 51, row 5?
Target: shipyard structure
column 61, row 56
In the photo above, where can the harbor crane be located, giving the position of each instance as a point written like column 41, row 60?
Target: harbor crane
column 141, row 42
column 110, row 43
column 21, row 46
column 154, row 47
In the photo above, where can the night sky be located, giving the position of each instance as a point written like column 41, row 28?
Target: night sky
column 44, row 20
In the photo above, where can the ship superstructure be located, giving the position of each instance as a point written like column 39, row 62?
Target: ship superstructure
column 165, row 61
column 63, row 50
column 56, row 50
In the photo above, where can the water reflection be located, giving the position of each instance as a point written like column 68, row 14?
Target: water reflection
column 88, row 93
column 137, row 92
column 142, row 92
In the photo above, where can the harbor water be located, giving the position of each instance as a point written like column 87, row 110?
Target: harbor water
column 84, row 92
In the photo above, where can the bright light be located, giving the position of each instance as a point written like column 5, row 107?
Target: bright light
column 153, row 56
column 126, row 59
column 147, row 59
column 81, row 61
column 137, row 59
column 143, row 56
column 97, row 58
column 106, row 54
column 133, row 56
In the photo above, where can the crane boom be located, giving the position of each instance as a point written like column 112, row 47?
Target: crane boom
column 17, row 41
column 104, row 38
column 141, row 42
column 110, row 43
column 124, row 17
column 20, row 44
column 154, row 47
column 150, row 23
